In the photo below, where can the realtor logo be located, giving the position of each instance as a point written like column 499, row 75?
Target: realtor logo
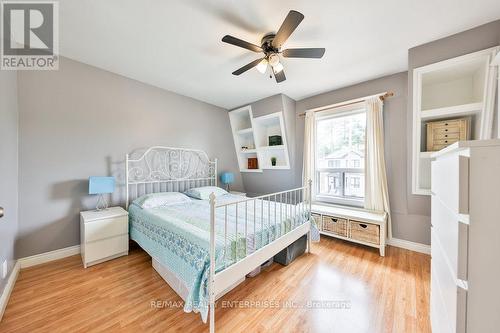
column 30, row 35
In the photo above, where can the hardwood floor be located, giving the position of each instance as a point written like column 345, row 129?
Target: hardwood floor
column 339, row 287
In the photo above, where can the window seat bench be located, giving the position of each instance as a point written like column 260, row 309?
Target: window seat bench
column 352, row 224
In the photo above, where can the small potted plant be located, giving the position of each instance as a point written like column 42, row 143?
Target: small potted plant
column 273, row 161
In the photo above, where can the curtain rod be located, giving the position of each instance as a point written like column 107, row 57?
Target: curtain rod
column 382, row 96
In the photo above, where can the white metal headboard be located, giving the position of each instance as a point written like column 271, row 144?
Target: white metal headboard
column 166, row 169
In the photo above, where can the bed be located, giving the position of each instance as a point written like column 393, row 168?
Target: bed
column 204, row 247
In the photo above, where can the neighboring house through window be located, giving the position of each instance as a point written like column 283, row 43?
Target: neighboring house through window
column 340, row 156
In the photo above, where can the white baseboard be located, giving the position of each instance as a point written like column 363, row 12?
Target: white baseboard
column 404, row 244
column 49, row 256
column 32, row 261
column 4, row 297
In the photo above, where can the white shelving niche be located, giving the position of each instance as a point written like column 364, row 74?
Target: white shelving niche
column 459, row 87
column 243, row 135
column 266, row 126
column 254, row 133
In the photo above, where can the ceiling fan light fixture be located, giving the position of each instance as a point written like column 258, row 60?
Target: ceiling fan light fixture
column 278, row 67
column 273, row 59
column 262, row 66
column 271, row 47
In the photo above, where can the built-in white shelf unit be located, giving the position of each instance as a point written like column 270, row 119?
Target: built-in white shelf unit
column 253, row 133
column 453, row 88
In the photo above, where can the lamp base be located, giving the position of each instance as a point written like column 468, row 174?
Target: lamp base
column 102, row 204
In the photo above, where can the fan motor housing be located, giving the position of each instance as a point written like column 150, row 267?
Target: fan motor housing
column 266, row 43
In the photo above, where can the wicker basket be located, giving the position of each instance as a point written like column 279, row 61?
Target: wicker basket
column 335, row 225
column 365, row 232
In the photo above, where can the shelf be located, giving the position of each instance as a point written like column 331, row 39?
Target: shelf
column 276, row 167
column 273, row 147
column 245, row 131
column 251, row 170
column 248, row 151
column 452, row 111
column 255, row 132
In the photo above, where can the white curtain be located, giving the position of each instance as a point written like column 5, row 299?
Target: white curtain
column 376, row 192
column 308, row 169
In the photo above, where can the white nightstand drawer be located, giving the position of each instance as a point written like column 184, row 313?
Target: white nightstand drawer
column 106, row 248
column 102, row 229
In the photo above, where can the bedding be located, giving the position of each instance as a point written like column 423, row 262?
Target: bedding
column 204, row 192
column 161, row 199
column 178, row 236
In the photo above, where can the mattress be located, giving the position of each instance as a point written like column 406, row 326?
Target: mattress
column 178, row 236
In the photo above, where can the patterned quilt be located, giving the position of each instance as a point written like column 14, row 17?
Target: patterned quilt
column 179, row 237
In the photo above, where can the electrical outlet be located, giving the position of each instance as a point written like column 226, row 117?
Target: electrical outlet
column 4, row 269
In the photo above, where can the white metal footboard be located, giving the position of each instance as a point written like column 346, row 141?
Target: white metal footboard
column 286, row 209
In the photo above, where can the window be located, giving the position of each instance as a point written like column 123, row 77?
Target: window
column 340, row 157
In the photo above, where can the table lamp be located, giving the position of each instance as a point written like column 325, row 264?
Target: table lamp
column 101, row 185
column 227, row 178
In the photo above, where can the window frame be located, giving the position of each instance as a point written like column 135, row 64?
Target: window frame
column 343, row 111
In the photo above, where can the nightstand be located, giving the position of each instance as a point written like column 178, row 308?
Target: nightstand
column 238, row 193
column 103, row 235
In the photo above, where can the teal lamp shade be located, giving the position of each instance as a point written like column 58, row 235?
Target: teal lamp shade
column 101, row 185
column 227, row 178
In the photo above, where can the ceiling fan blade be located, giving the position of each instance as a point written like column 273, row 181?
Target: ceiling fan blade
column 247, row 67
column 280, row 76
column 241, row 43
column 291, row 22
column 304, row 53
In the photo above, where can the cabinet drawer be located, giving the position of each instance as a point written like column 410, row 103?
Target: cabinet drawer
column 445, row 229
column 335, row 225
column 452, row 190
column 365, row 232
column 444, row 142
column 101, row 229
column 453, row 297
column 439, row 320
column 442, row 135
column 105, row 248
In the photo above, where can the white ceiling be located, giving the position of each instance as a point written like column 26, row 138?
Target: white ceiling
column 176, row 45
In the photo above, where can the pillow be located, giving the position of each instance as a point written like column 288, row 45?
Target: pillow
column 203, row 193
column 161, row 199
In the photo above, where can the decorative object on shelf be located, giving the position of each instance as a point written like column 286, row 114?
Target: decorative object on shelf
column 227, row 178
column 273, row 161
column 275, row 140
column 248, row 147
column 441, row 134
column 253, row 163
column 101, row 185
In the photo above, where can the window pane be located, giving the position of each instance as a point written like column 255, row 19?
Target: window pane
column 330, row 183
column 340, row 155
column 355, row 185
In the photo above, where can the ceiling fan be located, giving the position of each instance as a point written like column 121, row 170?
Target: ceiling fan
column 271, row 47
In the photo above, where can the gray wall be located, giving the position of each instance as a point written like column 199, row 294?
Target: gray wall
column 8, row 168
column 274, row 180
column 81, row 121
column 410, row 213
